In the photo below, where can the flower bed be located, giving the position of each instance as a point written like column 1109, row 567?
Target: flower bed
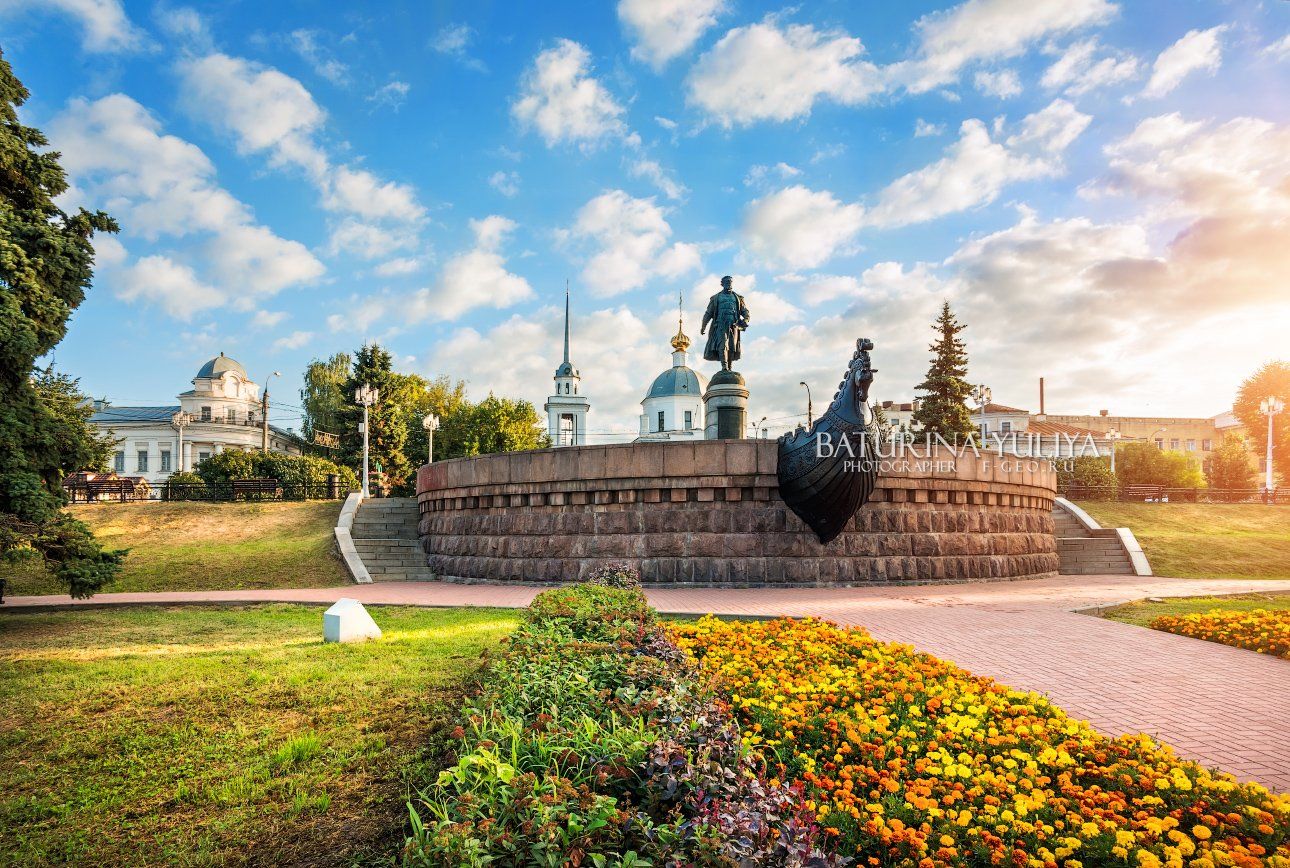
column 909, row 760
column 593, row 742
column 1267, row 632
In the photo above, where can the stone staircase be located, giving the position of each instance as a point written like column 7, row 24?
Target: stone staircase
column 1084, row 552
column 385, row 537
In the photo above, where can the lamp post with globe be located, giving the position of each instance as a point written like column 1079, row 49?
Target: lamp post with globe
column 179, row 421
column 367, row 396
column 431, row 424
column 1270, row 407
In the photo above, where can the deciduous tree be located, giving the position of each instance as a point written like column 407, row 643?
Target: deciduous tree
column 1271, row 380
column 1229, row 466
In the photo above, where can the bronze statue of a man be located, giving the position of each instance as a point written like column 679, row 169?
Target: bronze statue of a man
column 729, row 317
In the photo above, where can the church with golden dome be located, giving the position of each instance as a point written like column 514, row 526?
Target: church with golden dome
column 672, row 409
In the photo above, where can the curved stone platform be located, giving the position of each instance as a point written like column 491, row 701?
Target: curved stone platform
column 709, row 513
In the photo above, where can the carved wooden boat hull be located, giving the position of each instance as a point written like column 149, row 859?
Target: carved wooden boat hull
column 830, row 470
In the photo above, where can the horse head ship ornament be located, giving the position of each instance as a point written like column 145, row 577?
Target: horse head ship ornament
column 828, row 471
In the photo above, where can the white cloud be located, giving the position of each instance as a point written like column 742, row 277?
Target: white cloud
column 767, row 72
column 162, row 187
column 305, row 44
column 506, row 183
column 879, row 283
column 391, row 94
column 1199, row 50
column 1279, row 50
column 976, row 167
column 800, row 227
column 265, row 319
column 293, row 341
column 924, row 128
column 368, row 240
column 1079, row 69
column 1002, row 84
column 665, row 29
column 562, row 100
column 651, row 171
column 268, row 111
column 172, row 286
column 104, row 22
column 980, row 30
column 632, row 244
column 400, row 266
column 666, row 123
column 453, row 40
column 760, row 174
column 474, row 278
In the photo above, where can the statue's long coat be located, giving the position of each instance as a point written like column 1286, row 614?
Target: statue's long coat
column 712, row 350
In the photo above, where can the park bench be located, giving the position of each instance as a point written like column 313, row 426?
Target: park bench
column 258, row 489
column 1142, row 492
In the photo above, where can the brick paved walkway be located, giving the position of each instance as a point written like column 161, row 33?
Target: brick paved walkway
column 1223, row 706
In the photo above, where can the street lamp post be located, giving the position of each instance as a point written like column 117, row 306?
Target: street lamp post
column 1270, row 407
column 264, row 412
column 431, row 424
column 179, row 421
column 810, row 409
column 982, row 395
column 367, row 396
column 1113, row 435
column 1159, row 431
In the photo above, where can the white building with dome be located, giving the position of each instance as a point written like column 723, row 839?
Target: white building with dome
column 672, row 409
column 224, row 411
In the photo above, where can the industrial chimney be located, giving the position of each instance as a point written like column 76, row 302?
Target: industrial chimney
column 1042, row 415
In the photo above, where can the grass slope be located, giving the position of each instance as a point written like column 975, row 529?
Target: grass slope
column 1143, row 612
column 205, row 736
column 208, row 547
column 1205, row 540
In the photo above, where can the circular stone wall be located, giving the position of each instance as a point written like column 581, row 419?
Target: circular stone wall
column 709, row 513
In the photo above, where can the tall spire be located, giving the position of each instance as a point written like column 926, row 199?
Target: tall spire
column 566, row 321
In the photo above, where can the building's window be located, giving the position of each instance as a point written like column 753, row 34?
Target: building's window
column 118, row 462
column 250, row 417
column 1207, row 444
column 232, row 415
column 202, row 455
column 689, row 419
column 1005, row 427
column 575, row 388
column 985, row 429
column 206, row 414
column 1160, row 443
column 1173, row 443
column 165, row 460
column 565, row 435
column 660, row 420
column 1191, row 445
column 143, row 461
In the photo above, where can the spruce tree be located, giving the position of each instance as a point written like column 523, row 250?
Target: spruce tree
column 46, row 262
column 387, row 435
column 943, row 407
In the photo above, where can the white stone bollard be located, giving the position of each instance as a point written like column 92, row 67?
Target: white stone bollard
column 348, row 621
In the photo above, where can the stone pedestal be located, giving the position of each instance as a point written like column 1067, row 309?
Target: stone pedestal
column 725, row 407
column 348, row 621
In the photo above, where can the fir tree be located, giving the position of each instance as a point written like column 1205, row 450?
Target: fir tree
column 387, row 435
column 943, row 408
column 46, row 262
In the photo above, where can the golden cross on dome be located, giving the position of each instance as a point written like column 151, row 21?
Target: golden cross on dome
column 680, row 342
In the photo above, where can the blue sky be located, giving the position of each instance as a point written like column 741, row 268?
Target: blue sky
column 1098, row 188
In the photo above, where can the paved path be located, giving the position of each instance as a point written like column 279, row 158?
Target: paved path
column 1223, row 706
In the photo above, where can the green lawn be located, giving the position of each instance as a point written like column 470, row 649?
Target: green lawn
column 1143, row 613
column 207, row 547
column 1205, row 540
column 221, row 736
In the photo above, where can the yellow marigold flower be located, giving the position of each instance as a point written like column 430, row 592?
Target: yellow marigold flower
column 1200, row 833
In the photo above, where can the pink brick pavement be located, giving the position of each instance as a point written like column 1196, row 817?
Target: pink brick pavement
column 1223, row 706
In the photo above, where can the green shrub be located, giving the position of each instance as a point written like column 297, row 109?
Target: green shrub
column 617, row 576
column 594, row 743
column 1090, row 473
column 592, row 611
column 299, row 474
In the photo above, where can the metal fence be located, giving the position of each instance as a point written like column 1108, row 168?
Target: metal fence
column 1164, row 494
column 235, row 491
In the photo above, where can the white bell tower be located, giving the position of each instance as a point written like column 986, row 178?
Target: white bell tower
column 566, row 410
